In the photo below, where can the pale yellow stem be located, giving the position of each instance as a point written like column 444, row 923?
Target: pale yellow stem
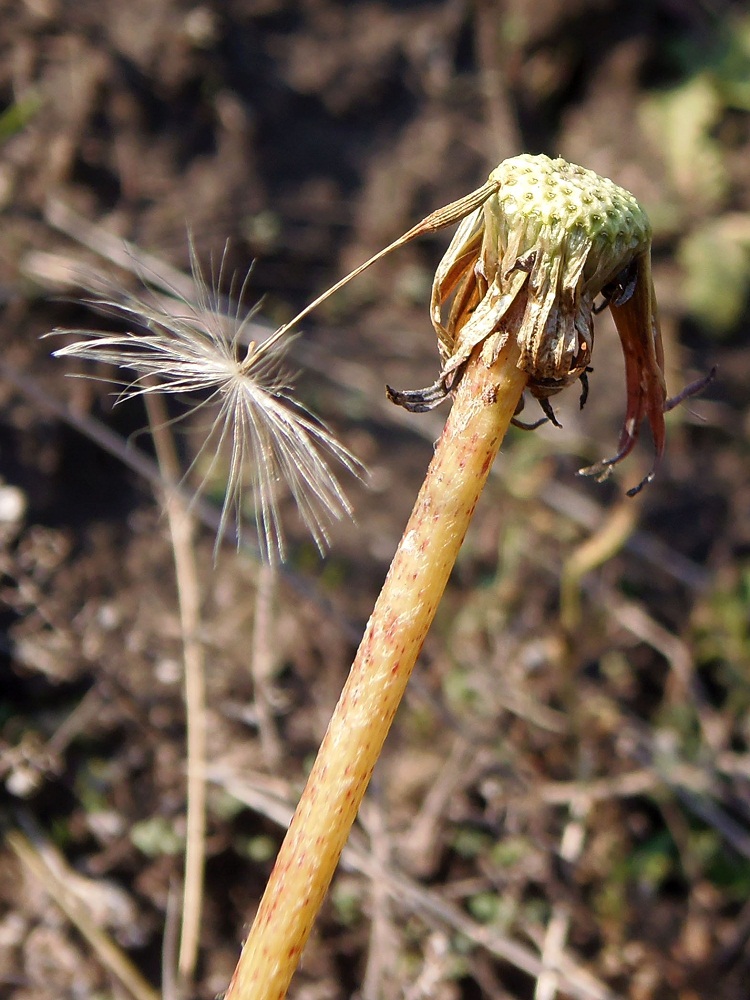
column 485, row 402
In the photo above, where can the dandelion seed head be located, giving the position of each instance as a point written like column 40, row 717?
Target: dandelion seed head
column 555, row 230
column 548, row 237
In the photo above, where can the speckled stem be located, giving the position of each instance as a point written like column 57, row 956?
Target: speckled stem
column 485, row 402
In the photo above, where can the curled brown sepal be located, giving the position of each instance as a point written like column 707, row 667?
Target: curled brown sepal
column 420, row 400
column 637, row 322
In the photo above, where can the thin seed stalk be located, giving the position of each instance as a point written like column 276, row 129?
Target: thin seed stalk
column 485, row 401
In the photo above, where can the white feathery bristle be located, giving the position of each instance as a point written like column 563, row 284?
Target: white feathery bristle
column 185, row 347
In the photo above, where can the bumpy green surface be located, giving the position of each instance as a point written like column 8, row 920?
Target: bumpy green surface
column 562, row 194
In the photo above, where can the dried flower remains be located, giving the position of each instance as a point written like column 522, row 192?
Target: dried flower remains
column 553, row 236
column 197, row 350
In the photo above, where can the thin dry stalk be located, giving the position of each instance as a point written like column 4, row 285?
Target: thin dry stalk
column 170, row 943
column 263, row 664
column 485, row 402
column 596, row 550
column 42, row 861
column 181, row 529
column 555, row 937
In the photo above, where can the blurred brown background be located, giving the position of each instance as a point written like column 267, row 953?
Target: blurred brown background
column 577, row 797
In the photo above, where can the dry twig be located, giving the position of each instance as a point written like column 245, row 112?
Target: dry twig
column 45, row 864
column 181, row 529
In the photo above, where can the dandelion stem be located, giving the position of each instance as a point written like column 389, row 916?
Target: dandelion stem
column 485, row 401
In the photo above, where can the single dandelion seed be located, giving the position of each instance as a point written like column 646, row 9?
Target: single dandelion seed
column 273, row 442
